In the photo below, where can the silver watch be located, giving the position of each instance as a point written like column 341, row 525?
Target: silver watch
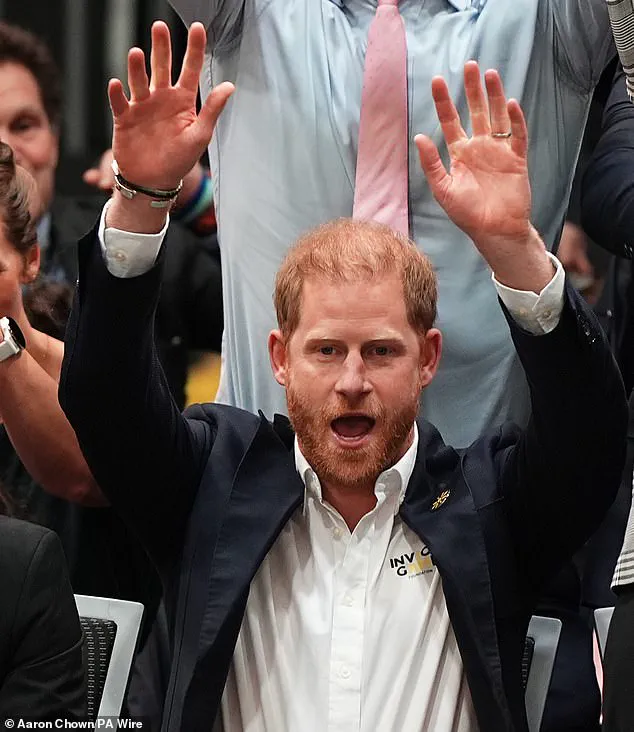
column 12, row 339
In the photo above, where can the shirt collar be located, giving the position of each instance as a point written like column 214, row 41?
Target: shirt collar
column 391, row 482
column 44, row 231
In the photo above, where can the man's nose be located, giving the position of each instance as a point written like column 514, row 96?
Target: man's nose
column 352, row 380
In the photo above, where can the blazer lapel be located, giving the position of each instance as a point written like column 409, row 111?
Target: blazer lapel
column 443, row 514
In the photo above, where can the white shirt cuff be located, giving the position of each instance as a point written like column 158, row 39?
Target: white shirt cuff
column 127, row 254
column 538, row 314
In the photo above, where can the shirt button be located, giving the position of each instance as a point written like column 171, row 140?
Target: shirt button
column 523, row 312
column 120, row 256
column 548, row 313
column 337, row 532
column 348, row 600
column 344, row 672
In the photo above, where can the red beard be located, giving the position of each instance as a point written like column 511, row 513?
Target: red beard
column 350, row 467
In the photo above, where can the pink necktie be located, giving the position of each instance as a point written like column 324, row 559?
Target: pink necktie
column 382, row 173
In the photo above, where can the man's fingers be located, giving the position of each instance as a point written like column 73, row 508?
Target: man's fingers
column 137, row 75
column 213, row 106
column 194, row 57
column 476, row 99
column 431, row 164
column 91, row 177
column 118, row 100
column 446, row 111
column 161, row 57
column 500, row 120
column 519, row 137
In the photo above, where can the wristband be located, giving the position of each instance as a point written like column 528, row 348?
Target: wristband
column 160, row 198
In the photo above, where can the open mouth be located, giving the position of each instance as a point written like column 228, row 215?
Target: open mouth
column 352, row 428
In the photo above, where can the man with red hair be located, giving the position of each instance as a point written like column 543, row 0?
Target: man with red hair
column 346, row 570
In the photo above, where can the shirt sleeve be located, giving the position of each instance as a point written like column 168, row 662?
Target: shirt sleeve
column 222, row 18
column 537, row 314
column 127, row 254
column 582, row 38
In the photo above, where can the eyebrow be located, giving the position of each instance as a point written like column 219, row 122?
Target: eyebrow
column 29, row 110
column 393, row 340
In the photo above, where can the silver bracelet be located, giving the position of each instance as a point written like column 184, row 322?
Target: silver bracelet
column 160, row 198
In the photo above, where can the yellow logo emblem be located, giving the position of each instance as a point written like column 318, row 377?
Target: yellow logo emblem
column 440, row 500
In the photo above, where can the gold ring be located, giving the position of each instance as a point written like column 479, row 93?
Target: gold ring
column 501, row 135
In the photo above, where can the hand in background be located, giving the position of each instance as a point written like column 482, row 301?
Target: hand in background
column 573, row 254
column 486, row 191
column 101, row 176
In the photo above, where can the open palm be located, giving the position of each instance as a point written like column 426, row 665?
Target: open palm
column 486, row 191
column 157, row 134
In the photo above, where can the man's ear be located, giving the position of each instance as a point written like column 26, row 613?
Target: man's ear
column 430, row 350
column 31, row 265
column 278, row 354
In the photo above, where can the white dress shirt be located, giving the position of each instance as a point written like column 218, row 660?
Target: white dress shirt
column 346, row 632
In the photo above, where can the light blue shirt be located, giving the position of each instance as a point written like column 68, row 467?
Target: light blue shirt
column 283, row 158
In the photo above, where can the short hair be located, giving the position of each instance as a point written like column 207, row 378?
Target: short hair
column 16, row 190
column 346, row 250
column 21, row 47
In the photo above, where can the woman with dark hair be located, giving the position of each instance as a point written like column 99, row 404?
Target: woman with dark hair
column 41, row 663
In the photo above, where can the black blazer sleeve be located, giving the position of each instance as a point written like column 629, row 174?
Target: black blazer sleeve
column 607, row 192
column 146, row 457
column 41, row 663
column 561, row 474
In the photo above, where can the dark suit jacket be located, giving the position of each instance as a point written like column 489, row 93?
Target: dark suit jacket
column 41, row 666
column 221, row 484
column 607, row 209
column 189, row 314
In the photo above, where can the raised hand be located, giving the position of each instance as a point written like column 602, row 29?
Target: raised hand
column 157, row 134
column 486, row 191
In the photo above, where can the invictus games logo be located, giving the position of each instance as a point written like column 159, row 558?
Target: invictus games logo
column 411, row 565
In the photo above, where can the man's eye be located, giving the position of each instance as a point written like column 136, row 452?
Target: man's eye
column 24, row 125
column 327, row 350
column 381, row 351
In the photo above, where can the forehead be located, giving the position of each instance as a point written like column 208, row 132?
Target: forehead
column 18, row 88
column 364, row 305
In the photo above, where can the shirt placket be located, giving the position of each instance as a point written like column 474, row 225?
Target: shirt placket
column 348, row 624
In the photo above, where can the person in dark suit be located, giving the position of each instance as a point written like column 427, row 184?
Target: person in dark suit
column 42, row 675
column 608, row 216
column 353, row 565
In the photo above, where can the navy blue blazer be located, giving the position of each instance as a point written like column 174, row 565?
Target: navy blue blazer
column 208, row 493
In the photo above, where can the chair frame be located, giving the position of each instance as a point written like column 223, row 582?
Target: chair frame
column 127, row 616
column 545, row 632
column 602, row 620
